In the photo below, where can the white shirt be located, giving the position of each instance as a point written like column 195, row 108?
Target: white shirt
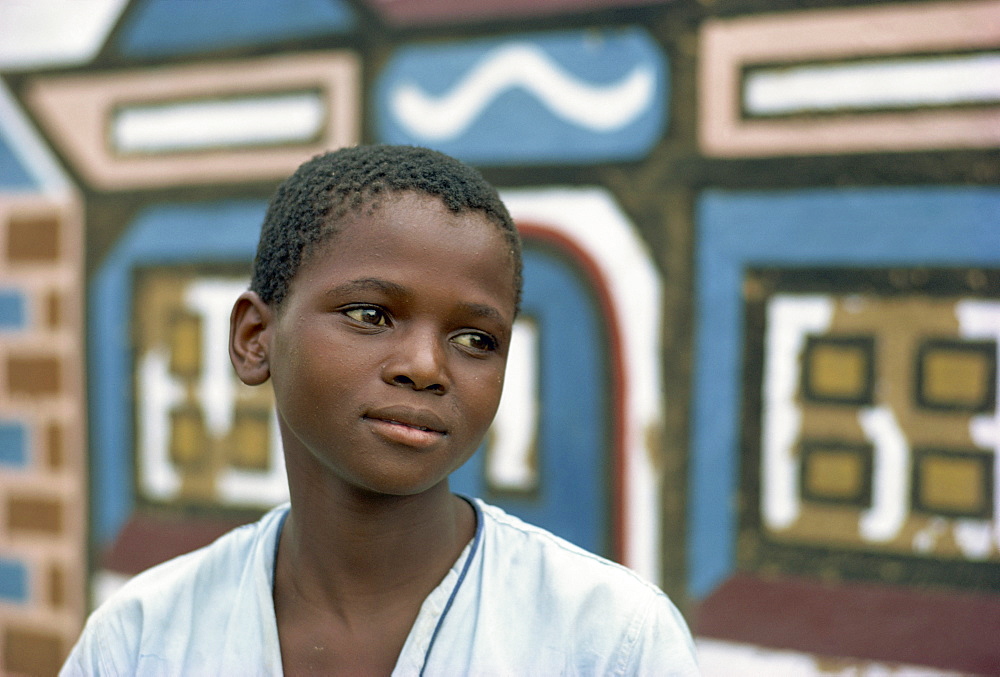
column 518, row 601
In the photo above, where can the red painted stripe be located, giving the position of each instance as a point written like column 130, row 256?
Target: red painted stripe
column 953, row 630
column 149, row 539
column 540, row 232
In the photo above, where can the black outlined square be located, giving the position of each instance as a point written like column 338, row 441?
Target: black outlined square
column 249, row 442
column 836, row 472
column 956, row 375
column 824, row 539
column 953, row 483
column 839, row 370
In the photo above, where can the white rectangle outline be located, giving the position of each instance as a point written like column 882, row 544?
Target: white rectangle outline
column 246, row 121
column 873, row 84
column 727, row 46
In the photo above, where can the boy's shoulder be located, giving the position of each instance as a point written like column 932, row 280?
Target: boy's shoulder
column 217, row 564
column 563, row 557
column 563, row 582
column 190, row 601
column 580, row 613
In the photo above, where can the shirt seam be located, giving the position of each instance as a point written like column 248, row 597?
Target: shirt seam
column 104, row 657
column 627, row 650
column 575, row 550
column 466, row 566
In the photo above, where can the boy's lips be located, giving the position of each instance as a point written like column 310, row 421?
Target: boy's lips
column 412, row 427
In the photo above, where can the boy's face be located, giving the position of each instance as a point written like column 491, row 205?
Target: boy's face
column 388, row 354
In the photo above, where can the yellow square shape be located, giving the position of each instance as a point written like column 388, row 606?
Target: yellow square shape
column 187, row 436
column 955, row 377
column 838, row 371
column 835, row 474
column 952, row 484
column 250, row 440
column 185, row 344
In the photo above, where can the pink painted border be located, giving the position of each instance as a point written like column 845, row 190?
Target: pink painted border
column 726, row 46
column 76, row 110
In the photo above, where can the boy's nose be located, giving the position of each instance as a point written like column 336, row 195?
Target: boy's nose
column 418, row 363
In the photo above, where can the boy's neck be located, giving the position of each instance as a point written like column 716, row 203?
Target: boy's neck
column 352, row 573
column 355, row 549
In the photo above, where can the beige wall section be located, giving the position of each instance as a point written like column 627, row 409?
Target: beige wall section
column 76, row 112
column 43, row 504
column 727, row 46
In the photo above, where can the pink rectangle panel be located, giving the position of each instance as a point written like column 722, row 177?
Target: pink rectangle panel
column 728, row 46
column 77, row 111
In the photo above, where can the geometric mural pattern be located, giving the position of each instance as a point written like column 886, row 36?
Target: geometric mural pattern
column 872, row 78
column 43, row 509
column 877, row 426
column 203, row 438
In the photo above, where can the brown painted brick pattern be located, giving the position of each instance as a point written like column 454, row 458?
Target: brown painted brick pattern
column 37, row 515
column 33, row 376
column 54, row 446
column 28, row 651
column 33, row 238
column 43, row 503
column 53, row 310
column 57, row 586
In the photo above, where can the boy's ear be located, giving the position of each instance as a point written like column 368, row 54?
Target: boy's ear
column 249, row 338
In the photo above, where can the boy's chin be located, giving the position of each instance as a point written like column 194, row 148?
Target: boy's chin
column 389, row 490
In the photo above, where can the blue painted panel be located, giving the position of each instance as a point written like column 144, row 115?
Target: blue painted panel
column 13, row 444
column 173, row 28
column 211, row 232
column 13, row 174
column 13, row 310
column 13, row 581
column 574, row 421
column 910, row 226
column 563, row 97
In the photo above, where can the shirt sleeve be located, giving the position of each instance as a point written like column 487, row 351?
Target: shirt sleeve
column 83, row 660
column 104, row 646
column 663, row 644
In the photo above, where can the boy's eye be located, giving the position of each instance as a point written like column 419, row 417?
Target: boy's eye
column 368, row 315
column 476, row 341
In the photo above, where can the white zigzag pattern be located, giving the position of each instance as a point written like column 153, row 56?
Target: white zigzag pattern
column 601, row 109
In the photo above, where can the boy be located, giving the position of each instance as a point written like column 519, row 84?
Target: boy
column 384, row 289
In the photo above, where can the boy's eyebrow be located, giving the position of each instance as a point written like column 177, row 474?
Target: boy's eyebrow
column 483, row 311
column 385, row 286
column 369, row 284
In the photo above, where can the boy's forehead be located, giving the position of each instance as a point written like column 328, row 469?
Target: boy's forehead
column 410, row 215
column 360, row 225
column 405, row 211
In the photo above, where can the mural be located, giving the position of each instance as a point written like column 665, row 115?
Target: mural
column 200, row 437
column 891, row 77
column 43, row 465
column 236, row 121
column 555, row 97
column 758, row 358
column 160, row 291
column 879, row 418
column 853, row 409
column 598, row 410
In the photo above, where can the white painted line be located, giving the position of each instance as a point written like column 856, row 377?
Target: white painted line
column 510, row 462
column 790, row 319
column 874, row 85
column 197, row 125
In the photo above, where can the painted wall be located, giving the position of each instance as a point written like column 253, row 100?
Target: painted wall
column 758, row 355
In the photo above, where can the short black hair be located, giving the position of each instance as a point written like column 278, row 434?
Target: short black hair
column 307, row 207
